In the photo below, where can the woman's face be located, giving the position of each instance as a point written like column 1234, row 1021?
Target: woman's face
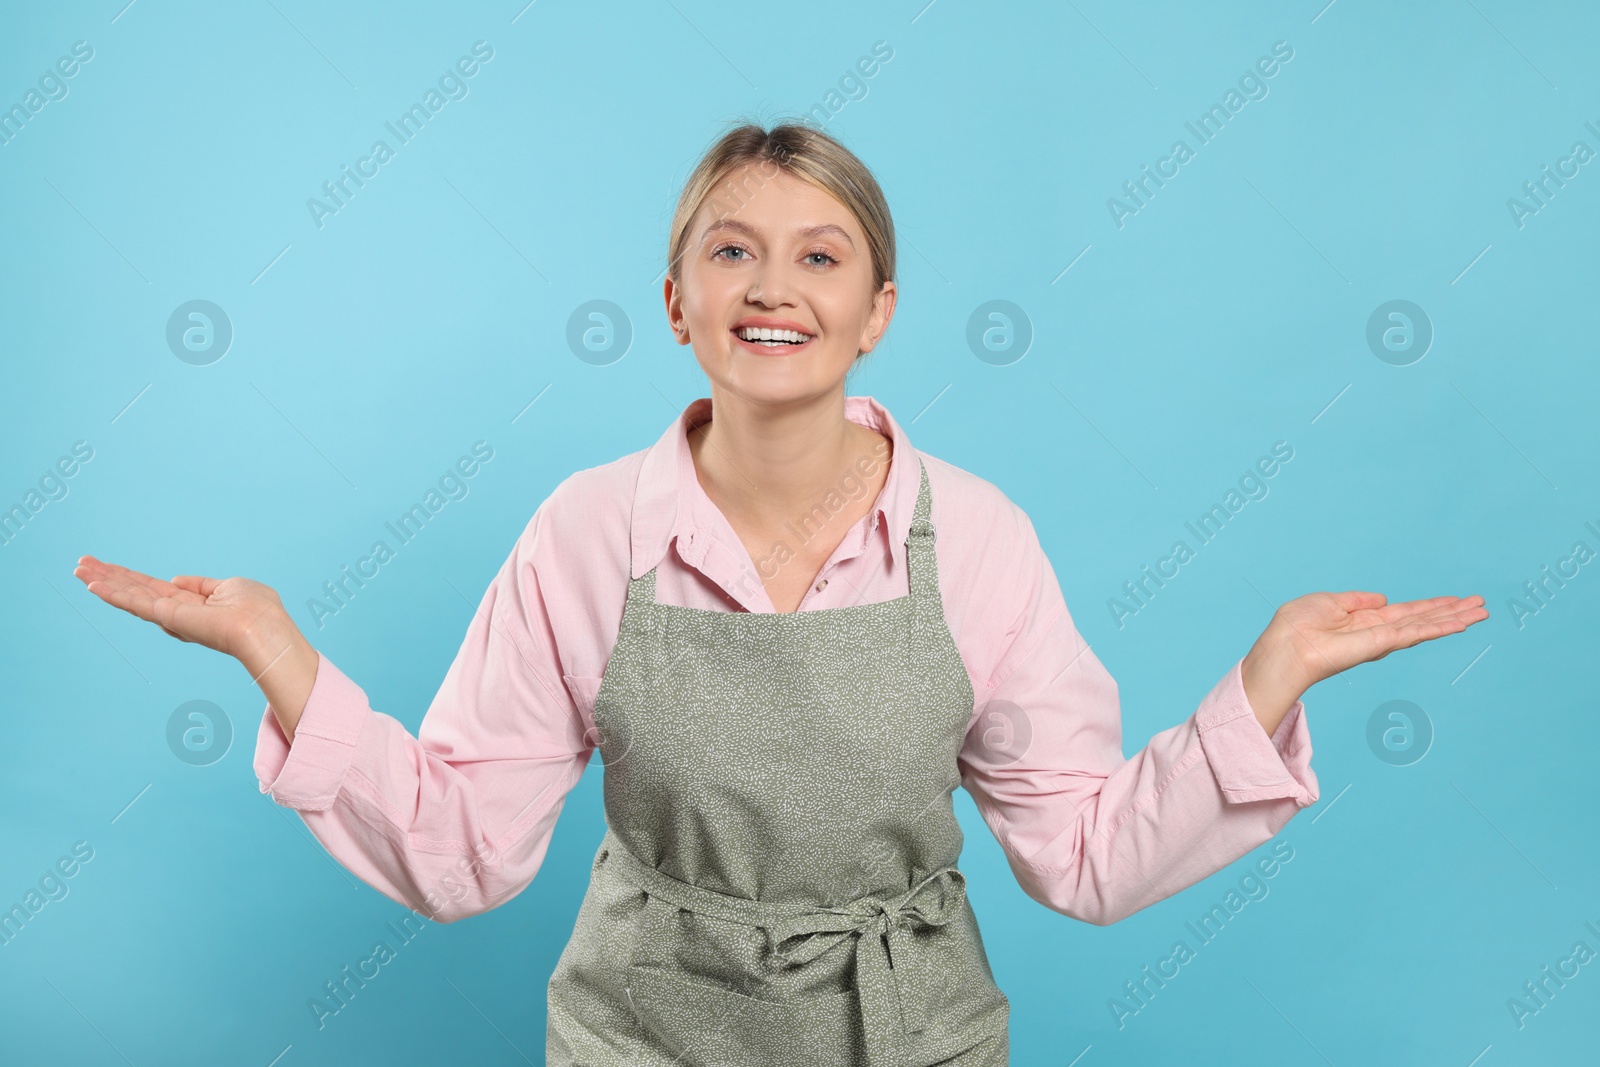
column 770, row 251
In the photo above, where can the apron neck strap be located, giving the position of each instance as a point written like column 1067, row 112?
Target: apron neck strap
column 919, row 545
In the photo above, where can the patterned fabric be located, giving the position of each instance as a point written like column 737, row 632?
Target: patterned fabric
column 757, row 898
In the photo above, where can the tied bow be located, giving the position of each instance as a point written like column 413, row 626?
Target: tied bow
column 888, row 974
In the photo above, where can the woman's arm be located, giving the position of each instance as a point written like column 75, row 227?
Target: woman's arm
column 1098, row 836
column 283, row 665
column 452, row 822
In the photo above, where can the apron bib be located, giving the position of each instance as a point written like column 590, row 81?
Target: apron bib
column 777, row 882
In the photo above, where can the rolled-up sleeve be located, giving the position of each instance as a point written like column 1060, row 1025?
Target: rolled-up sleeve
column 1093, row 834
column 457, row 820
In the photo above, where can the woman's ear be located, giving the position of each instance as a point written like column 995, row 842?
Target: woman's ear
column 675, row 318
column 878, row 321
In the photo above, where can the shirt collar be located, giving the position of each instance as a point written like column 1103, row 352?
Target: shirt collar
column 668, row 496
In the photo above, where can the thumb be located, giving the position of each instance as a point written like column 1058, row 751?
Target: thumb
column 194, row 583
column 1356, row 600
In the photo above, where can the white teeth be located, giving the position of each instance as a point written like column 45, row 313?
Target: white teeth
column 763, row 333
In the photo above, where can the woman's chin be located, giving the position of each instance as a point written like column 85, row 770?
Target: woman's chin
column 786, row 383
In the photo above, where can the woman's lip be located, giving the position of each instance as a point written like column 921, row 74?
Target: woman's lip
column 770, row 350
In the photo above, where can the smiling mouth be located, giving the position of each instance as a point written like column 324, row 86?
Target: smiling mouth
column 771, row 340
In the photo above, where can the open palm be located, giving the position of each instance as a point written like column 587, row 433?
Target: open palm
column 1332, row 632
column 225, row 614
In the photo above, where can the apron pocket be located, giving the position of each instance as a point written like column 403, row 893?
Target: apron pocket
column 686, row 974
column 708, row 1026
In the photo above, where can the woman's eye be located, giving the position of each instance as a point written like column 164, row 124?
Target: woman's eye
column 736, row 254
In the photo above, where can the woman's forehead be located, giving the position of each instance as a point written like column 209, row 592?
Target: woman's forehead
column 757, row 204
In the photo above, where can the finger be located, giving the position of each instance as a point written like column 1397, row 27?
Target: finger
column 136, row 594
column 1472, row 614
column 1412, row 608
column 194, row 583
column 157, row 587
column 1443, row 601
column 1424, row 626
column 184, row 613
column 1471, row 608
column 1406, row 634
column 100, row 570
column 120, row 594
column 88, row 568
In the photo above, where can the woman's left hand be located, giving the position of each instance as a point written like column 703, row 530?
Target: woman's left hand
column 1320, row 634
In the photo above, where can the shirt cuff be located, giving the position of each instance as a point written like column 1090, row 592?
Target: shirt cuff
column 307, row 775
column 1249, row 765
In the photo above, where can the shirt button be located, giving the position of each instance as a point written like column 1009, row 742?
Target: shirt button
column 822, row 585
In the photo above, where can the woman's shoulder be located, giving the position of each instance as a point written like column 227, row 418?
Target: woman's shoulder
column 598, row 492
column 994, row 578
column 570, row 567
column 975, row 506
column 586, row 518
column 579, row 538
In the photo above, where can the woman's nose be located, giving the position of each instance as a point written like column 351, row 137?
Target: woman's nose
column 769, row 287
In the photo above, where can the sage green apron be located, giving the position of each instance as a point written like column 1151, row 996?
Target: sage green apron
column 777, row 882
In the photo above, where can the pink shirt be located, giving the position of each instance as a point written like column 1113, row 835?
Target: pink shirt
column 456, row 821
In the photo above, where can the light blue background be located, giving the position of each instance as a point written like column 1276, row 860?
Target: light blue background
column 1228, row 314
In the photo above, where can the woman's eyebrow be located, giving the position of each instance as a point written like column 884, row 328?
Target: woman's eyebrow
column 749, row 231
column 826, row 228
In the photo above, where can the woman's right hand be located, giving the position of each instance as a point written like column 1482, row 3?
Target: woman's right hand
column 232, row 615
column 235, row 616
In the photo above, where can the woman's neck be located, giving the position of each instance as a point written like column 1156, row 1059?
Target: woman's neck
column 767, row 462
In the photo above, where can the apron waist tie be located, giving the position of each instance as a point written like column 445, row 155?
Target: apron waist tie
column 890, row 978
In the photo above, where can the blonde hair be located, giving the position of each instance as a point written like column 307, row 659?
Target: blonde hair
column 808, row 154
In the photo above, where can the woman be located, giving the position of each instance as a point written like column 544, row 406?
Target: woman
column 786, row 682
